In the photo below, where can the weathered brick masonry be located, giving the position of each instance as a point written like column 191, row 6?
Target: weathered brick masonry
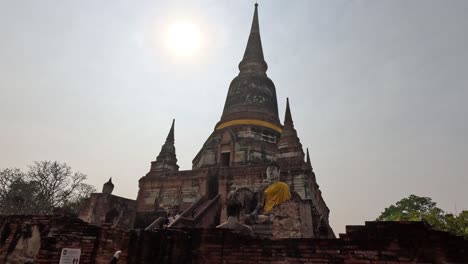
column 233, row 161
column 376, row 242
column 42, row 238
column 105, row 208
column 231, row 164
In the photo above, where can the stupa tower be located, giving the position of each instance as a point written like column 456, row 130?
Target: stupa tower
column 249, row 127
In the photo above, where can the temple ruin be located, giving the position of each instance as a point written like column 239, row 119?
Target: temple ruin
column 249, row 151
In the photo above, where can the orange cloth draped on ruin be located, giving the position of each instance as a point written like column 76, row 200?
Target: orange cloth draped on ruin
column 275, row 194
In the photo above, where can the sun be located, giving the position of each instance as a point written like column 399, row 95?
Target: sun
column 184, row 38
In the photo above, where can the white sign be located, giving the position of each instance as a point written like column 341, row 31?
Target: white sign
column 70, row 256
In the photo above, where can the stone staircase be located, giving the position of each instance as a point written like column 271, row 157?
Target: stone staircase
column 203, row 213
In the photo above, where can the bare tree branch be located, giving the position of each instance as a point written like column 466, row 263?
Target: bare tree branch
column 50, row 184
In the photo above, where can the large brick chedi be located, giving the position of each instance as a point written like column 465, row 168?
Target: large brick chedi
column 231, row 164
column 233, row 161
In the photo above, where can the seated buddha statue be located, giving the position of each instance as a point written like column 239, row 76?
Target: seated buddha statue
column 277, row 192
column 273, row 194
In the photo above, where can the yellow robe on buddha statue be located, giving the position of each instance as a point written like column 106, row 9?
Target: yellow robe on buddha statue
column 275, row 194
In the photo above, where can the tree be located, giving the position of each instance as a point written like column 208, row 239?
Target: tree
column 56, row 184
column 415, row 208
column 409, row 209
column 16, row 194
column 73, row 204
column 7, row 177
column 44, row 187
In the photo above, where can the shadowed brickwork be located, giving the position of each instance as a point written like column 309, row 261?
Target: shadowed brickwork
column 105, row 208
column 233, row 161
column 42, row 238
column 376, row 242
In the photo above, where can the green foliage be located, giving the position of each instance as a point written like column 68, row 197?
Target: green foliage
column 45, row 187
column 409, row 209
column 415, row 208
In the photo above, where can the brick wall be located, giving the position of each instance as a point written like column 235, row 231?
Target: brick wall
column 170, row 189
column 376, row 242
column 176, row 191
column 102, row 208
column 97, row 244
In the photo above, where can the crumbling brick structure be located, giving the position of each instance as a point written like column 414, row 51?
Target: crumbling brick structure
column 108, row 209
column 233, row 161
column 231, row 164
column 376, row 242
column 42, row 239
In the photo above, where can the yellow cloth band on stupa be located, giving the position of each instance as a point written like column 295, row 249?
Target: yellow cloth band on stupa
column 250, row 122
column 275, row 194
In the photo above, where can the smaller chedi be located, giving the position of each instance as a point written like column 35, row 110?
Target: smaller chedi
column 106, row 208
column 108, row 187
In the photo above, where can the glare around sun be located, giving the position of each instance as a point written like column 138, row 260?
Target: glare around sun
column 184, row 38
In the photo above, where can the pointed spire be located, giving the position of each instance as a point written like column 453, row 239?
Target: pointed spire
column 170, row 136
column 252, row 95
column 287, row 116
column 289, row 145
column 288, row 127
column 167, row 160
column 253, row 60
column 308, row 157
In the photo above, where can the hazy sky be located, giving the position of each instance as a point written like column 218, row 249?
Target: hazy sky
column 378, row 90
